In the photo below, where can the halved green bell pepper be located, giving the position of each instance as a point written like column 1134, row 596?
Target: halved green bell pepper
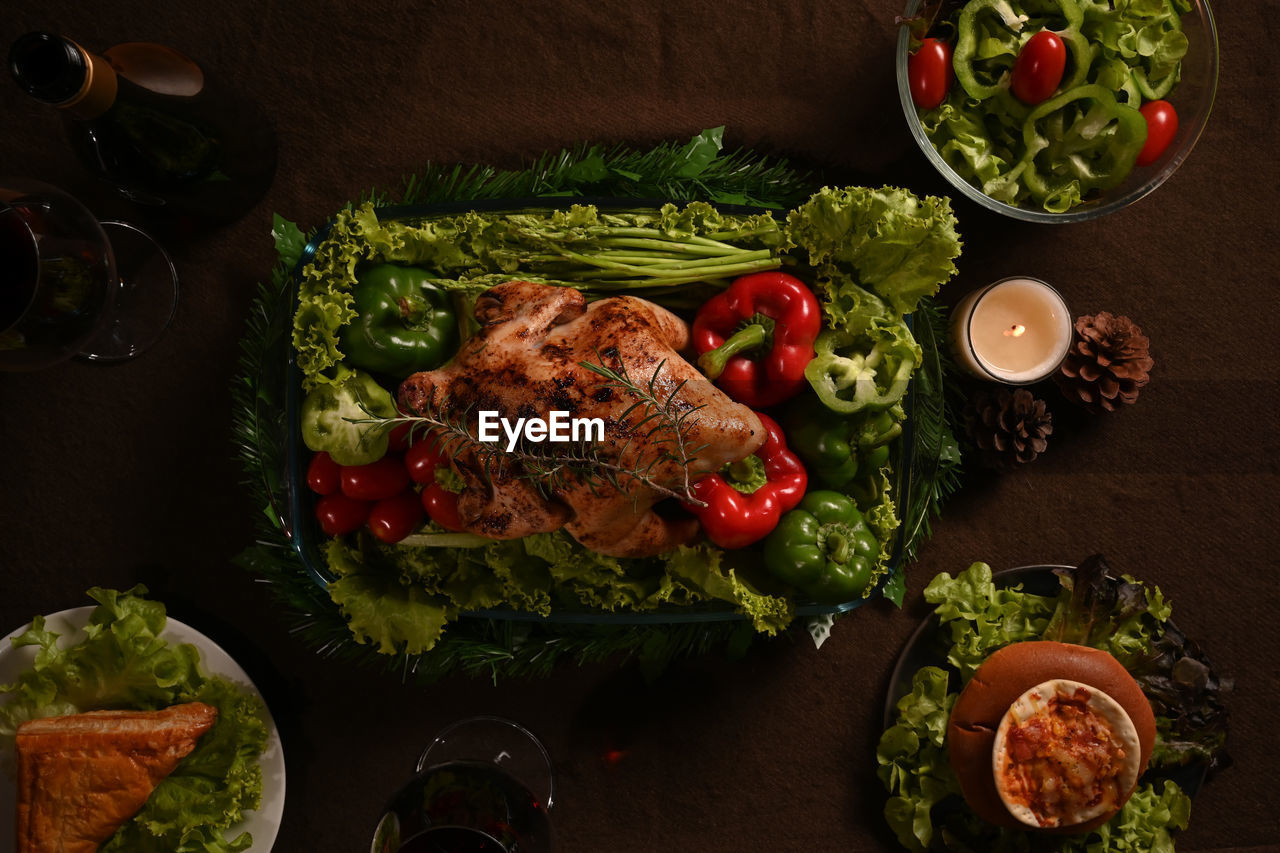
column 328, row 414
column 851, row 372
column 823, row 548
column 404, row 323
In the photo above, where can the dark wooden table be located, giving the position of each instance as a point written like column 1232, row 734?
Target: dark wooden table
column 123, row 474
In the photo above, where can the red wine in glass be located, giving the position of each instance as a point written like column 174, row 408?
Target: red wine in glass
column 469, row 807
column 65, row 290
column 59, row 276
column 473, row 793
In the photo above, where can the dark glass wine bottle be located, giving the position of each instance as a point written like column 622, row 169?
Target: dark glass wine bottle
column 146, row 119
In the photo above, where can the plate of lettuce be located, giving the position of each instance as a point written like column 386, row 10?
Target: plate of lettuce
column 978, row 612
column 227, row 796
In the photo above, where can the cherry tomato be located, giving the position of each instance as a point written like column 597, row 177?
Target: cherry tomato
column 929, row 73
column 395, row 517
column 339, row 514
column 376, row 481
column 323, row 474
column 442, row 506
column 398, row 438
column 1162, row 127
column 1037, row 71
column 423, row 458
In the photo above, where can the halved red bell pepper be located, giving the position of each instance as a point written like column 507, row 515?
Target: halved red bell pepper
column 745, row 501
column 755, row 338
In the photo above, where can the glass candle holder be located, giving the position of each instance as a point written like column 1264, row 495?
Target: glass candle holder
column 1015, row 331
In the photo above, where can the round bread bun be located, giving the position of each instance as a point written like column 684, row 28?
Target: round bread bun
column 999, row 682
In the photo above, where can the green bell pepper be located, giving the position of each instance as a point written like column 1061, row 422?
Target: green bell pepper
column 1079, row 141
column 329, row 413
column 871, row 370
column 404, row 322
column 835, row 448
column 823, row 548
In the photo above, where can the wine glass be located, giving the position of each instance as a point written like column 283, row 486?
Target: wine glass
column 483, row 785
column 74, row 286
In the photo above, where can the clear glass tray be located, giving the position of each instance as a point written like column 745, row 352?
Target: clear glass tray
column 296, row 510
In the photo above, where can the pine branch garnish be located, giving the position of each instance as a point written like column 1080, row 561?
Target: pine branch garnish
column 662, row 428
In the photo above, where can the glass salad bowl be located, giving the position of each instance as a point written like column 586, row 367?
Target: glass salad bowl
column 1192, row 98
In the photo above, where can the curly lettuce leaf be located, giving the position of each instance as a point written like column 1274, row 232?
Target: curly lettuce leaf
column 913, row 759
column 124, row 663
column 886, row 240
column 401, row 599
column 979, row 617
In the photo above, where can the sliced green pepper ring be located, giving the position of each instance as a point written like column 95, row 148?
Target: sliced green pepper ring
column 1092, row 149
column 990, row 34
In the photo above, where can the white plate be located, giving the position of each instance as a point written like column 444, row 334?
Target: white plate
column 262, row 823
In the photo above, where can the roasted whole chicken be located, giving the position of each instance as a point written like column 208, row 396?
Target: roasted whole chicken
column 526, row 361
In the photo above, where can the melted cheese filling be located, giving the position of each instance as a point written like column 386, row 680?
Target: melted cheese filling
column 1064, row 763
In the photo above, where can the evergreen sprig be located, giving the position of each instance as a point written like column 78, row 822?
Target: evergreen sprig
column 935, row 454
column 696, row 170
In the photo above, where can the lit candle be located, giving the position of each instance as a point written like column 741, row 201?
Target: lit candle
column 1016, row 331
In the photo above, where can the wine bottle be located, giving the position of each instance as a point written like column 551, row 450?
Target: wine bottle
column 147, row 120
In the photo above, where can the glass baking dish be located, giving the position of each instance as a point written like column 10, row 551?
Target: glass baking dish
column 298, row 519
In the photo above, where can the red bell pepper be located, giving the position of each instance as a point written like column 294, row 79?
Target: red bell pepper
column 423, row 458
column 755, row 338
column 745, row 502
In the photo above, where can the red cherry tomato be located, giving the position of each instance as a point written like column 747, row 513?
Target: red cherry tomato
column 423, row 458
column 339, row 514
column 1162, row 127
column 398, row 438
column 442, row 506
column 929, row 73
column 376, row 481
column 1037, row 71
column 323, row 474
column 396, row 517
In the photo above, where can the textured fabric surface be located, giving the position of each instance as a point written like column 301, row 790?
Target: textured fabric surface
column 123, row 474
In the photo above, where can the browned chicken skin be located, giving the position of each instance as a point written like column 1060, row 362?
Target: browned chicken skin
column 527, row 361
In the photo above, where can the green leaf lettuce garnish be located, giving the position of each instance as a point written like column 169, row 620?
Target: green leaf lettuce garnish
column 889, row 241
column 124, row 663
column 401, row 599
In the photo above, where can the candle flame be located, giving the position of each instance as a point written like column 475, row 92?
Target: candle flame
column 1017, row 330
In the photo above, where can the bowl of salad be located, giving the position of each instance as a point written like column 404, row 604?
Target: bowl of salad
column 1057, row 110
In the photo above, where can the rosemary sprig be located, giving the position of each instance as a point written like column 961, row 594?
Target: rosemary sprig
column 662, row 429
column 671, row 424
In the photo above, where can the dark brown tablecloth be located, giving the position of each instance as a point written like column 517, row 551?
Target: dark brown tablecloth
column 117, row 475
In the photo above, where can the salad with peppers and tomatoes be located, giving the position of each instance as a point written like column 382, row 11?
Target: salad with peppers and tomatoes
column 801, row 318
column 1048, row 104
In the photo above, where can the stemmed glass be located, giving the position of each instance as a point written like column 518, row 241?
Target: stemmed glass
column 483, row 785
column 70, row 285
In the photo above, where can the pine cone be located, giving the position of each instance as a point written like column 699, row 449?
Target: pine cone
column 1108, row 362
column 1009, row 426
